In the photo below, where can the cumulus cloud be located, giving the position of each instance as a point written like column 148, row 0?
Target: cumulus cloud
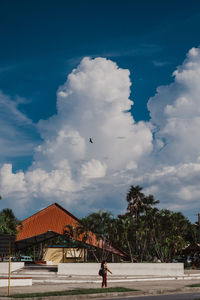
column 175, row 113
column 175, row 110
column 93, row 103
column 162, row 155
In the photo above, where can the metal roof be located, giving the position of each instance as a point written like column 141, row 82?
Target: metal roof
column 33, row 240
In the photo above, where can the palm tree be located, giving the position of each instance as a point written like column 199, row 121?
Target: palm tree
column 93, row 230
column 83, row 232
column 126, row 226
column 137, row 202
column 100, row 224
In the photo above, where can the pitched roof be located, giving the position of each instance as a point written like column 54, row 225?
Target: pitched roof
column 52, row 218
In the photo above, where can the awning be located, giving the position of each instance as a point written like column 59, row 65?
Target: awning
column 35, row 239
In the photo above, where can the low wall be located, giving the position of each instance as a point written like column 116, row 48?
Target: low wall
column 24, row 281
column 126, row 269
column 14, row 266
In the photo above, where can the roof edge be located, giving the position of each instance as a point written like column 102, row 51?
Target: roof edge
column 30, row 237
column 59, row 206
column 73, row 216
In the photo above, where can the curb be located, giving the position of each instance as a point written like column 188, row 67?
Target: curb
column 117, row 280
column 109, row 295
column 85, row 296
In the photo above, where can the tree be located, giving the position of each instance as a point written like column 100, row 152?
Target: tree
column 169, row 233
column 126, row 225
column 95, row 228
column 8, row 222
column 144, row 232
column 99, row 224
column 138, row 208
column 138, row 203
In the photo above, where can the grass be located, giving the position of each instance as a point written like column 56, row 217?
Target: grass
column 74, row 292
column 194, row 285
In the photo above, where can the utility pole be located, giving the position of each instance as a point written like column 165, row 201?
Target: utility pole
column 198, row 227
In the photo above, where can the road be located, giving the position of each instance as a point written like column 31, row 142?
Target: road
column 187, row 296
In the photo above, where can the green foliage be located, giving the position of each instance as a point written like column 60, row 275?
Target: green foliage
column 8, row 222
column 169, row 233
column 144, row 232
column 98, row 224
column 194, row 285
column 138, row 203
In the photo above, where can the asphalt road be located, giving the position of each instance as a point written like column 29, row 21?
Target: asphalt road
column 188, row 296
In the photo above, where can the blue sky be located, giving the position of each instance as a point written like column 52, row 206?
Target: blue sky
column 41, row 43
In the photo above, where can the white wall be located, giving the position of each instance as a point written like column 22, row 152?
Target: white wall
column 16, row 282
column 14, row 266
column 161, row 269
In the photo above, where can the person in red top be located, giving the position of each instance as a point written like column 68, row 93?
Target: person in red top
column 104, row 273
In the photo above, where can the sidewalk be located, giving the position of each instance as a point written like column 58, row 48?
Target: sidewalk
column 145, row 284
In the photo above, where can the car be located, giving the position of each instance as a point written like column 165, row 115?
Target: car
column 25, row 258
column 12, row 258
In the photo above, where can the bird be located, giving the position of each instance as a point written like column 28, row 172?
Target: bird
column 91, row 141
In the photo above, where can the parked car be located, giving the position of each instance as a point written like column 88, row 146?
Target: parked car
column 13, row 258
column 25, row 258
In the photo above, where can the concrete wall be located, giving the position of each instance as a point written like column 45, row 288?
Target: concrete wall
column 126, row 269
column 14, row 266
column 16, row 282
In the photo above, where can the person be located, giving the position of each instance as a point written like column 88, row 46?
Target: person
column 104, row 268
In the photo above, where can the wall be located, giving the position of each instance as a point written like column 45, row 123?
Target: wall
column 126, row 269
column 16, row 282
column 14, row 266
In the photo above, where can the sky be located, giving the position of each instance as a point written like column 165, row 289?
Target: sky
column 124, row 73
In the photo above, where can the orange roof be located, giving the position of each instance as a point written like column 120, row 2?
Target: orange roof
column 52, row 218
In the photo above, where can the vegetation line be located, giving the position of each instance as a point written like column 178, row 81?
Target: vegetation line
column 74, row 292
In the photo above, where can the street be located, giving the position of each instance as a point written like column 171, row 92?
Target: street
column 187, row 296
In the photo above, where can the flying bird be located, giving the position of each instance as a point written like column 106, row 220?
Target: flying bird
column 91, row 141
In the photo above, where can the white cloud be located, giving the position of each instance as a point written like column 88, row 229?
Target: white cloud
column 176, row 186
column 175, row 110
column 161, row 155
column 175, row 113
column 93, row 103
column 93, row 169
column 11, row 182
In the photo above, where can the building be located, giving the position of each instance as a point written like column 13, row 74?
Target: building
column 50, row 223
